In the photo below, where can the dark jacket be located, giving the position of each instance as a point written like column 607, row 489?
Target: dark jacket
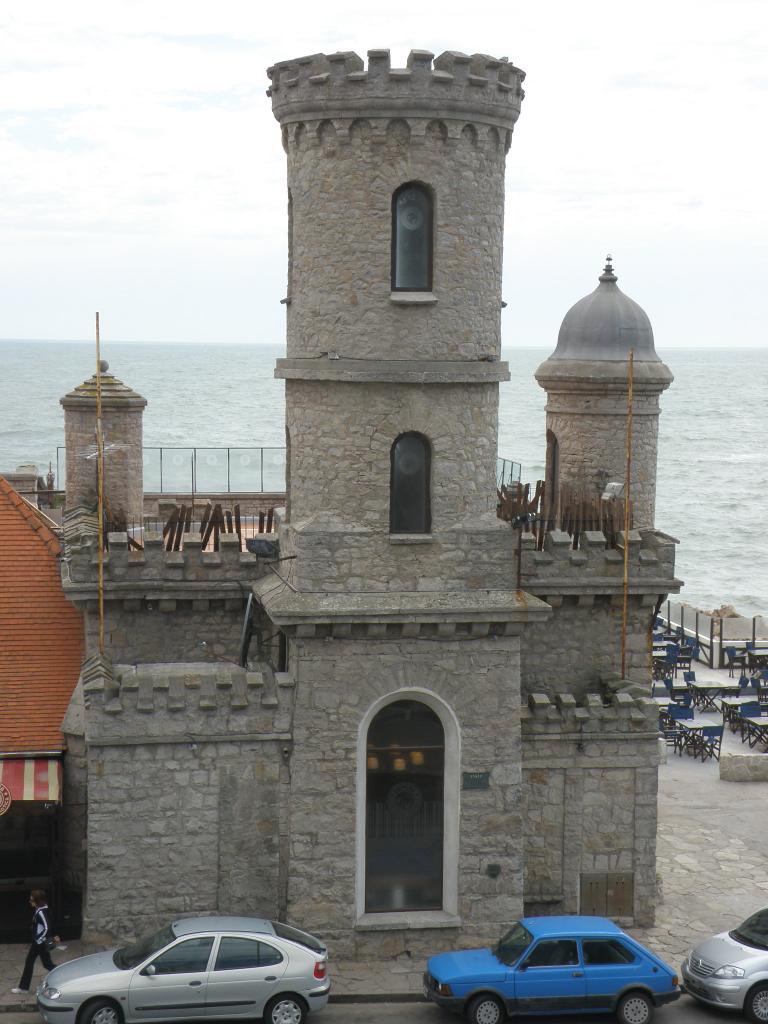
column 41, row 925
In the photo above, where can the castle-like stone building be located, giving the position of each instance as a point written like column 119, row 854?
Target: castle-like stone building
column 430, row 734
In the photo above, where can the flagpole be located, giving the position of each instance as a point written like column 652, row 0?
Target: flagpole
column 100, row 487
column 627, row 496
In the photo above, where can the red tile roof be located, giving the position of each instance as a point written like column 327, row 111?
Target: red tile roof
column 41, row 633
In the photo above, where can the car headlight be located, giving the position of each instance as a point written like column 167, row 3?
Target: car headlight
column 49, row 991
column 728, row 972
column 443, row 989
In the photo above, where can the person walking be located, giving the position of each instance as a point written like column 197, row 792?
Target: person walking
column 41, row 941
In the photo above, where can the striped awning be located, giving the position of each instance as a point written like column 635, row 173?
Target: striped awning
column 29, row 778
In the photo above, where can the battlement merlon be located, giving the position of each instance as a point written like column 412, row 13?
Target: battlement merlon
column 187, row 574
column 593, row 566
column 457, row 86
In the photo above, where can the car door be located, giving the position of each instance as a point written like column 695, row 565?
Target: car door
column 171, row 986
column 550, row 977
column 609, row 966
column 245, row 975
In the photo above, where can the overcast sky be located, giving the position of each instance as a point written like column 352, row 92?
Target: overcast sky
column 141, row 171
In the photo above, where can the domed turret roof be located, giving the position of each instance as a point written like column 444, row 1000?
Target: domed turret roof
column 606, row 324
column 113, row 392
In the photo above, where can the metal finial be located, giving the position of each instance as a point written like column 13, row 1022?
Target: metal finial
column 608, row 274
column 103, row 365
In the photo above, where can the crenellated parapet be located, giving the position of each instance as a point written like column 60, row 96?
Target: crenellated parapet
column 565, row 715
column 594, row 567
column 193, row 701
column 125, row 565
column 454, row 87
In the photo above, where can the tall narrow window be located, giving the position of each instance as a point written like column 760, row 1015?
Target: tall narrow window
column 412, row 239
column 409, row 502
column 405, row 759
column 552, row 478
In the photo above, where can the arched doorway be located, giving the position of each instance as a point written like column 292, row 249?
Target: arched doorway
column 404, row 809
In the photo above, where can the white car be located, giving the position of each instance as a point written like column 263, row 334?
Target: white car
column 730, row 970
column 207, row 967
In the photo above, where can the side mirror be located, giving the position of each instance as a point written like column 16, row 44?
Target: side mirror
column 523, row 966
column 149, row 970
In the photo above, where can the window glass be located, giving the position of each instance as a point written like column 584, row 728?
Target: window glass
column 513, row 944
column 285, row 931
column 404, row 809
column 606, row 951
column 754, row 931
column 412, row 238
column 409, row 509
column 553, row 953
column 268, row 955
column 237, row 953
column 188, row 957
column 131, row 956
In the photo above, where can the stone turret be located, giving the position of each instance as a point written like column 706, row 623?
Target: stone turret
column 586, row 380
column 368, row 357
column 122, row 412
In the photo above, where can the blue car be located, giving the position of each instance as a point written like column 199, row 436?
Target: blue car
column 546, row 965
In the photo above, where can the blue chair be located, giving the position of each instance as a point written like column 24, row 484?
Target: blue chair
column 679, row 712
column 689, row 676
column 735, row 659
column 748, row 687
column 708, row 742
column 750, row 709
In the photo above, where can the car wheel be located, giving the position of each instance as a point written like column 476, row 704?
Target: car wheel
column 102, row 1011
column 486, row 1010
column 634, row 1008
column 285, row 1010
column 756, row 1004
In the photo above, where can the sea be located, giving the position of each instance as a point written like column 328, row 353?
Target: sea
column 712, row 488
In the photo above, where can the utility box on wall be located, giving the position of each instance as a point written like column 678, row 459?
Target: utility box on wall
column 608, row 894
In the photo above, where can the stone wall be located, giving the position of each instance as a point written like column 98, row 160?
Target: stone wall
column 590, row 437
column 342, row 435
column 178, row 605
column 185, row 768
column 590, row 776
column 353, row 136
column 337, row 684
column 123, row 467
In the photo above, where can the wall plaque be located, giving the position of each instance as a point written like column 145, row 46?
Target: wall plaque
column 476, row 780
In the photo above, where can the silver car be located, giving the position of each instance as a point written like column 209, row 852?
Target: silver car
column 730, row 970
column 225, row 967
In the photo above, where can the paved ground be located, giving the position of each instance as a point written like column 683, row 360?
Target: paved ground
column 713, row 869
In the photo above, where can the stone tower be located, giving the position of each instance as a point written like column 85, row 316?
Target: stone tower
column 122, row 413
column 396, row 601
column 586, row 380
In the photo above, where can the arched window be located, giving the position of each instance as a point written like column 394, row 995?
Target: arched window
column 552, row 478
column 412, row 238
column 405, row 761
column 409, row 501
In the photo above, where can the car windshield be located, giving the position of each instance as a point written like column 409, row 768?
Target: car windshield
column 754, row 931
column 511, row 946
column 128, row 957
column 285, row 931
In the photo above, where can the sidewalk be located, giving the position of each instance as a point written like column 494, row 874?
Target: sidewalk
column 712, row 862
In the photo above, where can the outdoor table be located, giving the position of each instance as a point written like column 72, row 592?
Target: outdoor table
column 730, row 705
column 704, row 694
column 754, row 728
column 691, row 731
column 757, row 660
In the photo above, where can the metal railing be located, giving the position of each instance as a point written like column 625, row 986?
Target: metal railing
column 712, row 632
column 507, row 472
column 170, row 470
